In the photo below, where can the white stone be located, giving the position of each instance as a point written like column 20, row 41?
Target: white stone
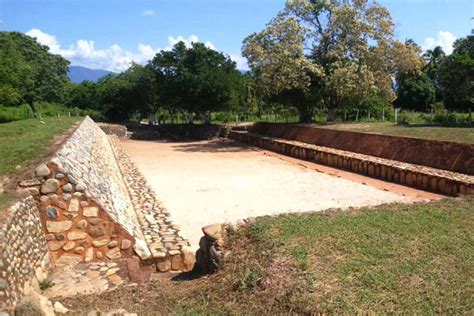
column 74, row 205
column 59, row 308
column 90, row 211
column 75, row 235
column 50, row 186
column 42, row 171
column 58, row 227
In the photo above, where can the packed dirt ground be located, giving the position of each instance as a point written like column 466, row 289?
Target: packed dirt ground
column 221, row 181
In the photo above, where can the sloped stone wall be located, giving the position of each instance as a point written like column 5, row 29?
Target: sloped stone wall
column 85, row 207
column 24, row 259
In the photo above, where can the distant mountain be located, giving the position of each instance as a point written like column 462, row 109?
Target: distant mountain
column 78, row 74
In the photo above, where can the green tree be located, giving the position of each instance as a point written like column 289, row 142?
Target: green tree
column 130, row 92
column 195, row 80
column 416, row 93
column 456, row 76
column 28, row 72
column 84, row 95
column 333, row 54
column 434, row 58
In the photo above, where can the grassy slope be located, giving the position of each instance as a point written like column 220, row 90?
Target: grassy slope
column 23, row 142
column 454, row 134
column 411, row 258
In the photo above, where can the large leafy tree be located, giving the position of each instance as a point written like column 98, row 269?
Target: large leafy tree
column 282, row 71
column 416, row 93
column 456, row 75
column 434, row 58
column 28, row 72
column 131, row 92
column 334, row 54
column 196, row 80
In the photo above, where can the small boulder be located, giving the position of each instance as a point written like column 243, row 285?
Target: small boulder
column 42, row 171
column 59, row 308
column 214, row 231
column 34, row 304
column 50, row 186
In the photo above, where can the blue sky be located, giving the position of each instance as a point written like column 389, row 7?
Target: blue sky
column 108, row 34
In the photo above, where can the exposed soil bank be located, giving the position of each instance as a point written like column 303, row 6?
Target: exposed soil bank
column 220, row 181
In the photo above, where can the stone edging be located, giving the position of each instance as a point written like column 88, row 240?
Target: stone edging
column 421, row 177
column 169, row 249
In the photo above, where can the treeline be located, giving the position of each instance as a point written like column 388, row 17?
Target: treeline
column 339, row 58
column 342, row 56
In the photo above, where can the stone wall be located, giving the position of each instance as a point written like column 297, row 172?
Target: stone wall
column 450, row 156
column 113, row 129
column 421, row 177
column 178, row 132
column 84, row 205
column 24, row 259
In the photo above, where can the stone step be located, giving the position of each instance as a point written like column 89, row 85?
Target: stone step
column 420, row 177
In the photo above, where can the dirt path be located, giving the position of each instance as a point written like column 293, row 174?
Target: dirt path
column 220, row 181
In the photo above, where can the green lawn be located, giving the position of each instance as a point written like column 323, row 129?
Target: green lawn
column 409, row 259
column 454, row 134
column 23, row 142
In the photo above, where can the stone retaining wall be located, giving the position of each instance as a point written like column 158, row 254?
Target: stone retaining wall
column 24, row 259
column 421, row 177
column 82, row 208
column 450, row 156
column 178, row 132
column 113, row 129
column 84, row 205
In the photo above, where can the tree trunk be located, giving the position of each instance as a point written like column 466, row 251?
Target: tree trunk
column 305, row 116
column 331, row 114
column 33, row 108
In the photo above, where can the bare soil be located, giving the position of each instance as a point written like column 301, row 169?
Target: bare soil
column 219, row 181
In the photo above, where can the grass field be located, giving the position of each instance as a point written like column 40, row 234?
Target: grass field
column 453, row 134
column 414, row 259
column 22, row 142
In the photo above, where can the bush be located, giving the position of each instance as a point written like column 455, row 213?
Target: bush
column 45, row 109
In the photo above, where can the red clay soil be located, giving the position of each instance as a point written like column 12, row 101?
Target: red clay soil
column 450, row 156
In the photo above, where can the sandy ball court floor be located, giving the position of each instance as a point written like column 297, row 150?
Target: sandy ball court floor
column 220, row 181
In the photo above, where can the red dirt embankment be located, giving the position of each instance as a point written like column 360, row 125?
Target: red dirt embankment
column 450, row 156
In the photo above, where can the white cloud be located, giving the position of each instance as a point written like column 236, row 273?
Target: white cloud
column 115, row 58
column 148, row 13
column 240, row 61
column 444, row 39
column 44, row 39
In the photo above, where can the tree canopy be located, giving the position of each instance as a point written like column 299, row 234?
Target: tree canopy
column 330, row 54
column 456, row 75
column 28, row 72
column 195, row 80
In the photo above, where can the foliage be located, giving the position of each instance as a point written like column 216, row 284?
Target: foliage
column 415, row 93
column 456, row 75
column 44, row 109
column 28, row 72
column 351, row 55
column 132, row 91
column 196, row 80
